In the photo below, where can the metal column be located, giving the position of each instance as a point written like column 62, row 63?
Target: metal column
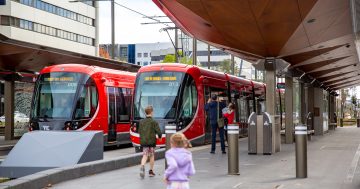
column 289, row 122
column 112, row 29
column 270, row 79
column 209, row 53
column 9, row 109
column 97, row 28
column 194, row 54
column 233, row 157
column 301, row 151
column 176, row 46
column 232, row 65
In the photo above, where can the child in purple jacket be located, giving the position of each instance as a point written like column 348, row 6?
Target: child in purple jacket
column 180, row 164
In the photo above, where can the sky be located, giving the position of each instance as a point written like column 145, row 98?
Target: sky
column 128, row 27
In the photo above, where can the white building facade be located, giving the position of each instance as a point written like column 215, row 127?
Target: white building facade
column 52, row 23
column 143, row 51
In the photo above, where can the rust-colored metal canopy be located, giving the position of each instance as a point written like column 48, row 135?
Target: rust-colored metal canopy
column 26, row 58
column 314, row 36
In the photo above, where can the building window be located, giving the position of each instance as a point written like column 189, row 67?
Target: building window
column 139, row 55
column 146, row 55
column 5, row 20
column 36, row 27
column 57, row 10
column 145, row 63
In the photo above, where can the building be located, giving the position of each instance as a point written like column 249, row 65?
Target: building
column 123, row 52
column 144, row 51
column 52, row 23
column 152, row 53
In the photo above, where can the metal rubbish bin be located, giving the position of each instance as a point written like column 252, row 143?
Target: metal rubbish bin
column 267, row 134
column 252, row 134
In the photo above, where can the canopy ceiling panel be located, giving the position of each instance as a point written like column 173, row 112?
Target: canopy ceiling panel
column 313, row 36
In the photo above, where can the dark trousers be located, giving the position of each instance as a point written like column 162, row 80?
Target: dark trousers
column 214, row 128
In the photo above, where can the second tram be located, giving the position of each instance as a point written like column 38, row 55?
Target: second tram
column 178, row 94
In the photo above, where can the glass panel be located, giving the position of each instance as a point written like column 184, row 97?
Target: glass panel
column 56, row 94
column 87, row 102
column 123, row 104
column 159, row 89
column 189, row 102
column 112, row 105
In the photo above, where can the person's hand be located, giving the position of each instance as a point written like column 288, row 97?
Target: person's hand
column 165, row 180
column 209, row 100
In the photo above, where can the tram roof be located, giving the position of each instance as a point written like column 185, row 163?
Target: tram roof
column 85, row 69
column 28, row 59
column 204, row 72
column 315, row 37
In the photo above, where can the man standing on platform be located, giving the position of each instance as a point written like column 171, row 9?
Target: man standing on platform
column 214, row 107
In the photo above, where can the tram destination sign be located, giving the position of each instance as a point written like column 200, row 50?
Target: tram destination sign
column 56, row 79
column 165, row 78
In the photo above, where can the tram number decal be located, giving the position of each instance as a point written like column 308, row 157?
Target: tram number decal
column 173, row 84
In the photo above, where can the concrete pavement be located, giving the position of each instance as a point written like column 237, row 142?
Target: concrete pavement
column 332, row 164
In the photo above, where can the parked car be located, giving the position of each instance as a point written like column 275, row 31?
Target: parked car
column 18, row 118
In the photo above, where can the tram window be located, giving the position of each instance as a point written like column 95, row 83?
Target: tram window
column 87, row 101
column 123, row 104
column 189, row 102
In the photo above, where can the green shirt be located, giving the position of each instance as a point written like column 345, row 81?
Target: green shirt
column 147, row 131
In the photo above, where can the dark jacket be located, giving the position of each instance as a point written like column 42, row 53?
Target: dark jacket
column 213, row 112
column 147, row 130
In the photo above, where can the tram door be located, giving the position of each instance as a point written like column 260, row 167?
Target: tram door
column 112, row 114
column 207, row 120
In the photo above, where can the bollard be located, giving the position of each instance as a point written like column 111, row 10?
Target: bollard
column 358, row 122
column 233, row 149
column 169, row 131
column 301, row 151
column 341, row 122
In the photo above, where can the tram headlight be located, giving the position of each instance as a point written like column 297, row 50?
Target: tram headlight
column 33, row 126
column 133, row 127
column 68, row 126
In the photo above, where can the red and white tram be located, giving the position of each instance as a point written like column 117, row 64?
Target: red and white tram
column 179, row 92
column 80, row 97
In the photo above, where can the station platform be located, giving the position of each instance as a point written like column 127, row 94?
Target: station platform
column 6, row 146
column 332, row 164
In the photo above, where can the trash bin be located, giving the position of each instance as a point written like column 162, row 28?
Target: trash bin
column 358, row 122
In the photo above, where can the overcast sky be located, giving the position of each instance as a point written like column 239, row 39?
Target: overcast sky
column 128, row 27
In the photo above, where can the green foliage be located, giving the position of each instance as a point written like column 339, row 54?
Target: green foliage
column 186, row 60
column 354, row 100
column 225, row 66
column 170, row 58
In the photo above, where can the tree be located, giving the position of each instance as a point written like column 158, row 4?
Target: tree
column 354, row 102
column 225, row 66
column 169, row 58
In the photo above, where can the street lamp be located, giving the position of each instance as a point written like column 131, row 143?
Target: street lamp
column 112, row 22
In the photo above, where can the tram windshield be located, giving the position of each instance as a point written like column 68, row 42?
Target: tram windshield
column 59, row 93
column 159, row 89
